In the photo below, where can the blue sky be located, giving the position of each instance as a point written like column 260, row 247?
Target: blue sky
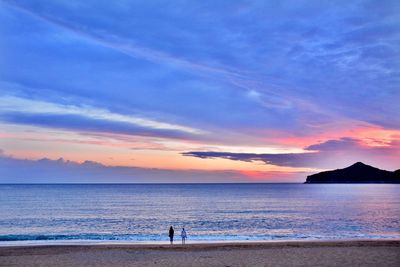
column 167, row 80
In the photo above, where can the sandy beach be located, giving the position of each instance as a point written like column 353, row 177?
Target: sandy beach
column 290, row 253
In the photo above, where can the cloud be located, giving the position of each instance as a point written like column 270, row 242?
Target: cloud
column 329, row 154
column 27, row 106
column 41, row 113
column 192, row 70
column 345, row 143
column 127, row 47
column 64, row 171
column 311, row 63
column 287, row 159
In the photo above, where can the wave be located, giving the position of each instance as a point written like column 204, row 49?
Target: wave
column 71, row 237
column 152, row 238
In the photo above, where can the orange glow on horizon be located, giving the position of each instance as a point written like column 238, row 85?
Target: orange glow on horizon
column 282, row 176
column 369, row 136
column 146, row 152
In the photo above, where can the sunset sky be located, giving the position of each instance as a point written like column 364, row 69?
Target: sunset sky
column 197, row 91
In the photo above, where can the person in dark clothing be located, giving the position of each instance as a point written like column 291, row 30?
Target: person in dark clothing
column 171, row 235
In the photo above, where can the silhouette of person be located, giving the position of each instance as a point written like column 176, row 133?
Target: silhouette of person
column 171, row 235
column 184, row 236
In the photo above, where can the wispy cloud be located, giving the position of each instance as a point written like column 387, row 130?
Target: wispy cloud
column 12, row 105
column 261, row 91
column 296, row 73
column 329, row 154
column 128, row 47
column 236, row 78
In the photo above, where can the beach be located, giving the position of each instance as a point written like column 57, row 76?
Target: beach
column 280, row 253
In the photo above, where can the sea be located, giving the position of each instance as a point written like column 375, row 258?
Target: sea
column 208, row 212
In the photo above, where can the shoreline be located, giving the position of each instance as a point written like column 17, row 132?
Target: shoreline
column 144, row 244
column 372, row 252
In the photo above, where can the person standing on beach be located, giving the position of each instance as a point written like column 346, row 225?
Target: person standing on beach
column 183, row 235
column 171, row 235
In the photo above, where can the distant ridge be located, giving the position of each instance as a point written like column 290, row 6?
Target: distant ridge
column 355, row 174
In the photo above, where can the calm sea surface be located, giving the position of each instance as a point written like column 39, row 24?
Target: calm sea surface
column 212, row 212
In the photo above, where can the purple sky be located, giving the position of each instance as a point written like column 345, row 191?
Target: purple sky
column 205, row 91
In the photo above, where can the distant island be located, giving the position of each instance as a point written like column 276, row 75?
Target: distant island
column 355, row 174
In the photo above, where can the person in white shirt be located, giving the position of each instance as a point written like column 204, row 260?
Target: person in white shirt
column 183, row 235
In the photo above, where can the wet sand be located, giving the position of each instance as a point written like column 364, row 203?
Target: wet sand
column 289, row 253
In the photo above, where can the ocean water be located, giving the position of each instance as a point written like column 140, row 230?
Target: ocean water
column 209, row 212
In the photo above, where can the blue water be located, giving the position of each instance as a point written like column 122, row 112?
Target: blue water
column 209, row 212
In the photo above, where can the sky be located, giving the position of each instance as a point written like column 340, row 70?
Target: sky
column 196, row 91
